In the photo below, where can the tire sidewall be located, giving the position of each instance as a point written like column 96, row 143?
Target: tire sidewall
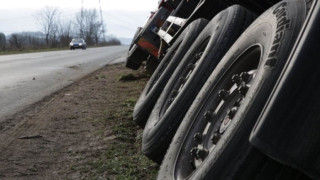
column 155, row 86
column 262, row 32
column 155, row 123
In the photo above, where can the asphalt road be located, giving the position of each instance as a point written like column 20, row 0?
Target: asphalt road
column 28, row 78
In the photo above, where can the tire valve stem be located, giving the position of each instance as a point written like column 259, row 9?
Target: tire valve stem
column 223, row 94
column 197, row 137
column 215, row 138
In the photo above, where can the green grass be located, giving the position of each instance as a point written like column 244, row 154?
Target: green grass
column 123, row 159
column 37, row 50
column 31, row 51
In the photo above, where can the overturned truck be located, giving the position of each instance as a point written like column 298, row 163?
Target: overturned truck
column 234, row 92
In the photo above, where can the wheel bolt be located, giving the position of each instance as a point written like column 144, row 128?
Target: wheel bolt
column 236, row 79
column 245, row 76
column 202, row 153
column 182, row 79
column 223, row 94
column 232, row 112
column 197, row 137
column 198, row 55
column 191, row 66
column 215, row 138
column 171, row 100
column 238, row 102
column 209, row 115
column 194, row 151
column 174, row 93
column 243, row 89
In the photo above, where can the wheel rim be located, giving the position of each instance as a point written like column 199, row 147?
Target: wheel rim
column 217, row 112
column 185, row 75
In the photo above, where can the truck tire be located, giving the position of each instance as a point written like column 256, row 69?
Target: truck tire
column 188, row 78
column 213, row 139
column 164, row 71
column 135, row 57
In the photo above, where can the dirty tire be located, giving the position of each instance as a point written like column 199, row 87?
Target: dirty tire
column 188, row 78
column 135, row 57
column 213, row 139
column 151, row 64
column 164, row 71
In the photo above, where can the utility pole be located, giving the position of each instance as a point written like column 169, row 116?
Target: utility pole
column 101, row 19
column 81, row 22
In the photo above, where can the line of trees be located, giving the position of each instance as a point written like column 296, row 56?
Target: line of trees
column 57, row 31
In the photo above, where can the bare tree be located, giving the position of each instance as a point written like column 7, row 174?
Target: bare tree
column 47, row 19
column 3, row 41
column 89, row 25
column 16, row 41
column 66, row 31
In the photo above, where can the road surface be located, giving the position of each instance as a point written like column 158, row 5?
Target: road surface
column 28, row 78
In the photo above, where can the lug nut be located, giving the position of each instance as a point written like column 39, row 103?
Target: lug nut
column 191, row 66
column 223, row 94
column 182, row 79
column 197, row 137
column 232, row 112
column 174, row 93
column 194, row 151
column 202, row 153
column 243, row 89
column 171, row 100
column 245, row 76
column 215, row 138
column 198, row 55
column 236, row 79
column 209, row 115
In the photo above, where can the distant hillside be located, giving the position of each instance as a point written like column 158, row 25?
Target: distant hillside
column 125, row 41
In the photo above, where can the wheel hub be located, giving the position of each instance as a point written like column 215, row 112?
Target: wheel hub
column 219, row 118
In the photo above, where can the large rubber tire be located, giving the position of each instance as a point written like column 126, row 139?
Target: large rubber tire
column 213, row 139
column 164, row 71
column 189, row 77
column 135, row 57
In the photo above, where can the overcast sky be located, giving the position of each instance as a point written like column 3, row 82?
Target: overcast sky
column 120, row 16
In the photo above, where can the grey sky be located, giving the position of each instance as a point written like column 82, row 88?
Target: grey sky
column 121, row 16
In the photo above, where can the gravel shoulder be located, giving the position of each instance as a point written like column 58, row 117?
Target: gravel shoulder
column 84, row 131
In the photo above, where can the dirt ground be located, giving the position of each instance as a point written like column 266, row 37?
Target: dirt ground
column 84, row 131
